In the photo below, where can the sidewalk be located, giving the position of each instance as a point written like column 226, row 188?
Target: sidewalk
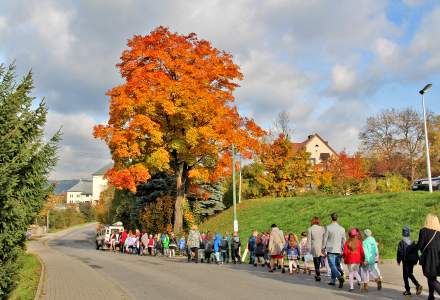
column 68, row 278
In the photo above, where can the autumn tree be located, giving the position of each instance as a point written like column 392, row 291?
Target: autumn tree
column 434, row 150
column 285, row 169
column 175, row 112
column 393, row 141
column 343, row 173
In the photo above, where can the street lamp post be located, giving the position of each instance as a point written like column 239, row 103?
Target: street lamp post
column 234, row 196
column 428, row 162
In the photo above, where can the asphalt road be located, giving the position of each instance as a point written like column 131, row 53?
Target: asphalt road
column 162, row 278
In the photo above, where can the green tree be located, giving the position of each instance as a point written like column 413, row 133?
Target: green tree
column 25, row 161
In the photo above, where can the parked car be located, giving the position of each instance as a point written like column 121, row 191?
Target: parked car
column 104, row 234
column 423, row 184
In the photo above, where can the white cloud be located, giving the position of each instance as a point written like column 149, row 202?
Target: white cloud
column 385, row 49
column 271, row 86
column 343, row 79
column 52, row 24
column 79, row 153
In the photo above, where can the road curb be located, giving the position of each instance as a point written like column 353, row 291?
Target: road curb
column 42, row 279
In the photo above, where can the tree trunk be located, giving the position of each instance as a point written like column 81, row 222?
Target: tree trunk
column 413, row 170
column 180, row 194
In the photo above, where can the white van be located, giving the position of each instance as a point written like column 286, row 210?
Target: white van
column 104, row 234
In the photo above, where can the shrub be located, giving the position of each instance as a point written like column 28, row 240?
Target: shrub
column 64, row 218
column 88, row 211
column 392, row 183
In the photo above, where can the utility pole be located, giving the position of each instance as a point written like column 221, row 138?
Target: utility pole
column 239, row 182
column 47, row 221
column 234, row 196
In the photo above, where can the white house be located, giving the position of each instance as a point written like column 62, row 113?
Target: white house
column 99, row 182
column 80, row 192
column 319, row 149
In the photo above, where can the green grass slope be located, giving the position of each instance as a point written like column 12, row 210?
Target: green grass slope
column 384, row 214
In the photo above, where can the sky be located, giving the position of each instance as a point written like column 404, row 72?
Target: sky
column 329, row 64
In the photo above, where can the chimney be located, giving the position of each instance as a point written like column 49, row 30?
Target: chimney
column 309, row 137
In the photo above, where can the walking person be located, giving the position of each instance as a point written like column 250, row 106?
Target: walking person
column 260, row 250
column 122, row 240
column 293, row 253
column 172, row 245
column 151, row 244
column 235, row 248
column 209, row 247
column 353, row 257
column 407, row 254
column 368, row 269
column 315, row 244
column 144, row 243
column 334, row 240
column 276, row 247
column 166, row 244
column 217, row 247
column 429, row 246
column 224, row 248
column 182, row 246
column 251, row 247
column 193, row 244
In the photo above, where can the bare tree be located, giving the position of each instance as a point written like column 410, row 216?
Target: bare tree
column 283, row 124
column 379, row 134
column 410, row 136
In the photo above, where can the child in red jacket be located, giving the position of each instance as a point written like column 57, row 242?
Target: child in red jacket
column 353, row 256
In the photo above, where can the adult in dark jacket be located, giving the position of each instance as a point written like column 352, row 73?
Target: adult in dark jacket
column 429, row 246
column 407, row 254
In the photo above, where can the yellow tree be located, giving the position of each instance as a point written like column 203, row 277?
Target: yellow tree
column 175, row 113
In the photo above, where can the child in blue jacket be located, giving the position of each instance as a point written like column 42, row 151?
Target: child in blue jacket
column 293, row 252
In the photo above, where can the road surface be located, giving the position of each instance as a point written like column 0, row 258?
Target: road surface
column 75, row 270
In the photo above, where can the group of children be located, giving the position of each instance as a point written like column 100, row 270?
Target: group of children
column 360, row 254
column 142, row 243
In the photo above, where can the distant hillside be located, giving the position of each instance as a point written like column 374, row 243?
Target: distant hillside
column 384, row 214
column 61, row 186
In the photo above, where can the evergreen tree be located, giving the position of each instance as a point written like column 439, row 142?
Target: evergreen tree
column 25, row 160
column 206, row 199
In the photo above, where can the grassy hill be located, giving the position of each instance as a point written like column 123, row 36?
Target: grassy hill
column 384, row 214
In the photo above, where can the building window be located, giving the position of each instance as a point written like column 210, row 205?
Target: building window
column 312, row 161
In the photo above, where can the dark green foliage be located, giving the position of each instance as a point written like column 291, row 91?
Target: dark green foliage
column 207, row 199
column 25, row 161
column 122, row 209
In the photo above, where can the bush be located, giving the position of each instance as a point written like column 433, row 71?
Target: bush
column 88, row 211
column 392, row 183
column 64, row 218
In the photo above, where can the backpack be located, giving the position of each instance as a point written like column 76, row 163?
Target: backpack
column 225, row 244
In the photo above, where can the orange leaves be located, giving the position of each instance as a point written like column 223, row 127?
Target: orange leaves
column 175, row 108
column 201, row 174
column 127, row 178
column 344, row 166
